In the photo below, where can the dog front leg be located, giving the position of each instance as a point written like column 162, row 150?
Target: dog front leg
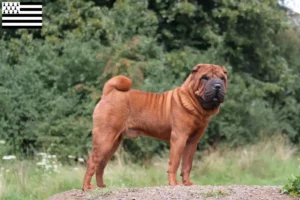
column 177, row 147
column 187, row 162
column 187, row 157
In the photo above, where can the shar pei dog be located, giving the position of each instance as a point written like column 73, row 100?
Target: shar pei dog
column 179, row 116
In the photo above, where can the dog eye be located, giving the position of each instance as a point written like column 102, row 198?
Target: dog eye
column 223, row 78
column 204, row 78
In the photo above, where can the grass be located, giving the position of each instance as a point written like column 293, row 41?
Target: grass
column 215, row 193
column 270, row 162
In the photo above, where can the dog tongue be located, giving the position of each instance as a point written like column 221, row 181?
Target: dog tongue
column 215, row 99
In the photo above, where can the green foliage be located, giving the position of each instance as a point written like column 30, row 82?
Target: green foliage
column 50, row 80
column 293, row 187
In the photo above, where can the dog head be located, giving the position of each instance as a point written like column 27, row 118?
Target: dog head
column 208, row 83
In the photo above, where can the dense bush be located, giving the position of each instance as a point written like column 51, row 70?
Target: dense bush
column 51, row 79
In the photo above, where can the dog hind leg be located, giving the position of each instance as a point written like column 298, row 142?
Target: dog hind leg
column 91, row 166
column 104, row 161
column 102, row 147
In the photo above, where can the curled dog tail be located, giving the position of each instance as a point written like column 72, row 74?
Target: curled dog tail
column 120, row 82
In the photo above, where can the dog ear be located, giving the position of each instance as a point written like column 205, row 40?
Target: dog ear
column 224, row 69
column 195, row 69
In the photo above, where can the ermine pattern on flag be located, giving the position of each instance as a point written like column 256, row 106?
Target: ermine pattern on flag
column 22, row 15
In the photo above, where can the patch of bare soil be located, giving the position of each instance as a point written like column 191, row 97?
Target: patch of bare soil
column 235, row 192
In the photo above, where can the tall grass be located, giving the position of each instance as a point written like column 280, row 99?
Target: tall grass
column 270, row 162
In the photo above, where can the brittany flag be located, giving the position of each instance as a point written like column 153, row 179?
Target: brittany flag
column 22, row 15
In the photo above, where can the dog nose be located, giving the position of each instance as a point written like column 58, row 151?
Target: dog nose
column 217, row 86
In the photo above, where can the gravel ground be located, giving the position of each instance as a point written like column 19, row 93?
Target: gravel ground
column 181, row 193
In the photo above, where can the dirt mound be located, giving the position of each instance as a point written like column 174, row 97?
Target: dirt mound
column 179, row 192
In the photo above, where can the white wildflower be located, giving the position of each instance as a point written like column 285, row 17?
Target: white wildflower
column 10, row 157
column 2, row 141
column 71, row 157
column 41, row 154
column 80, row 160
column 40, row 163
column 76, row 168
column 7, row 170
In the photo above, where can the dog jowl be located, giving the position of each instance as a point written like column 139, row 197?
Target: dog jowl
column 181, row 120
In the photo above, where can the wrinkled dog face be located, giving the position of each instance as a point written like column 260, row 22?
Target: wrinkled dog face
column 210, row 84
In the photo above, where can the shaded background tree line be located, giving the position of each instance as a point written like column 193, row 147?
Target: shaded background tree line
column 51, row 79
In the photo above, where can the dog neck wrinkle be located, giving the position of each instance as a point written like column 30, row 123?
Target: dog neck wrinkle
column 190, row 103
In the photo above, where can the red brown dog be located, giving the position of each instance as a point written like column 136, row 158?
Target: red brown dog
column 179, row 116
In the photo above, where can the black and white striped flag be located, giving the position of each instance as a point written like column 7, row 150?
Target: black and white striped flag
column 22, row 15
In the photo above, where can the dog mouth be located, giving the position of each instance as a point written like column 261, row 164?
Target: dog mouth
column 215, row 99
column 211, row 100
column 212, row 95
column 210, row 105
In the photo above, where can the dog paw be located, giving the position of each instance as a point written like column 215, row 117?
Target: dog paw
column 102, row 186
column 87, row 187
column 188, row 183
column 173, row 183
